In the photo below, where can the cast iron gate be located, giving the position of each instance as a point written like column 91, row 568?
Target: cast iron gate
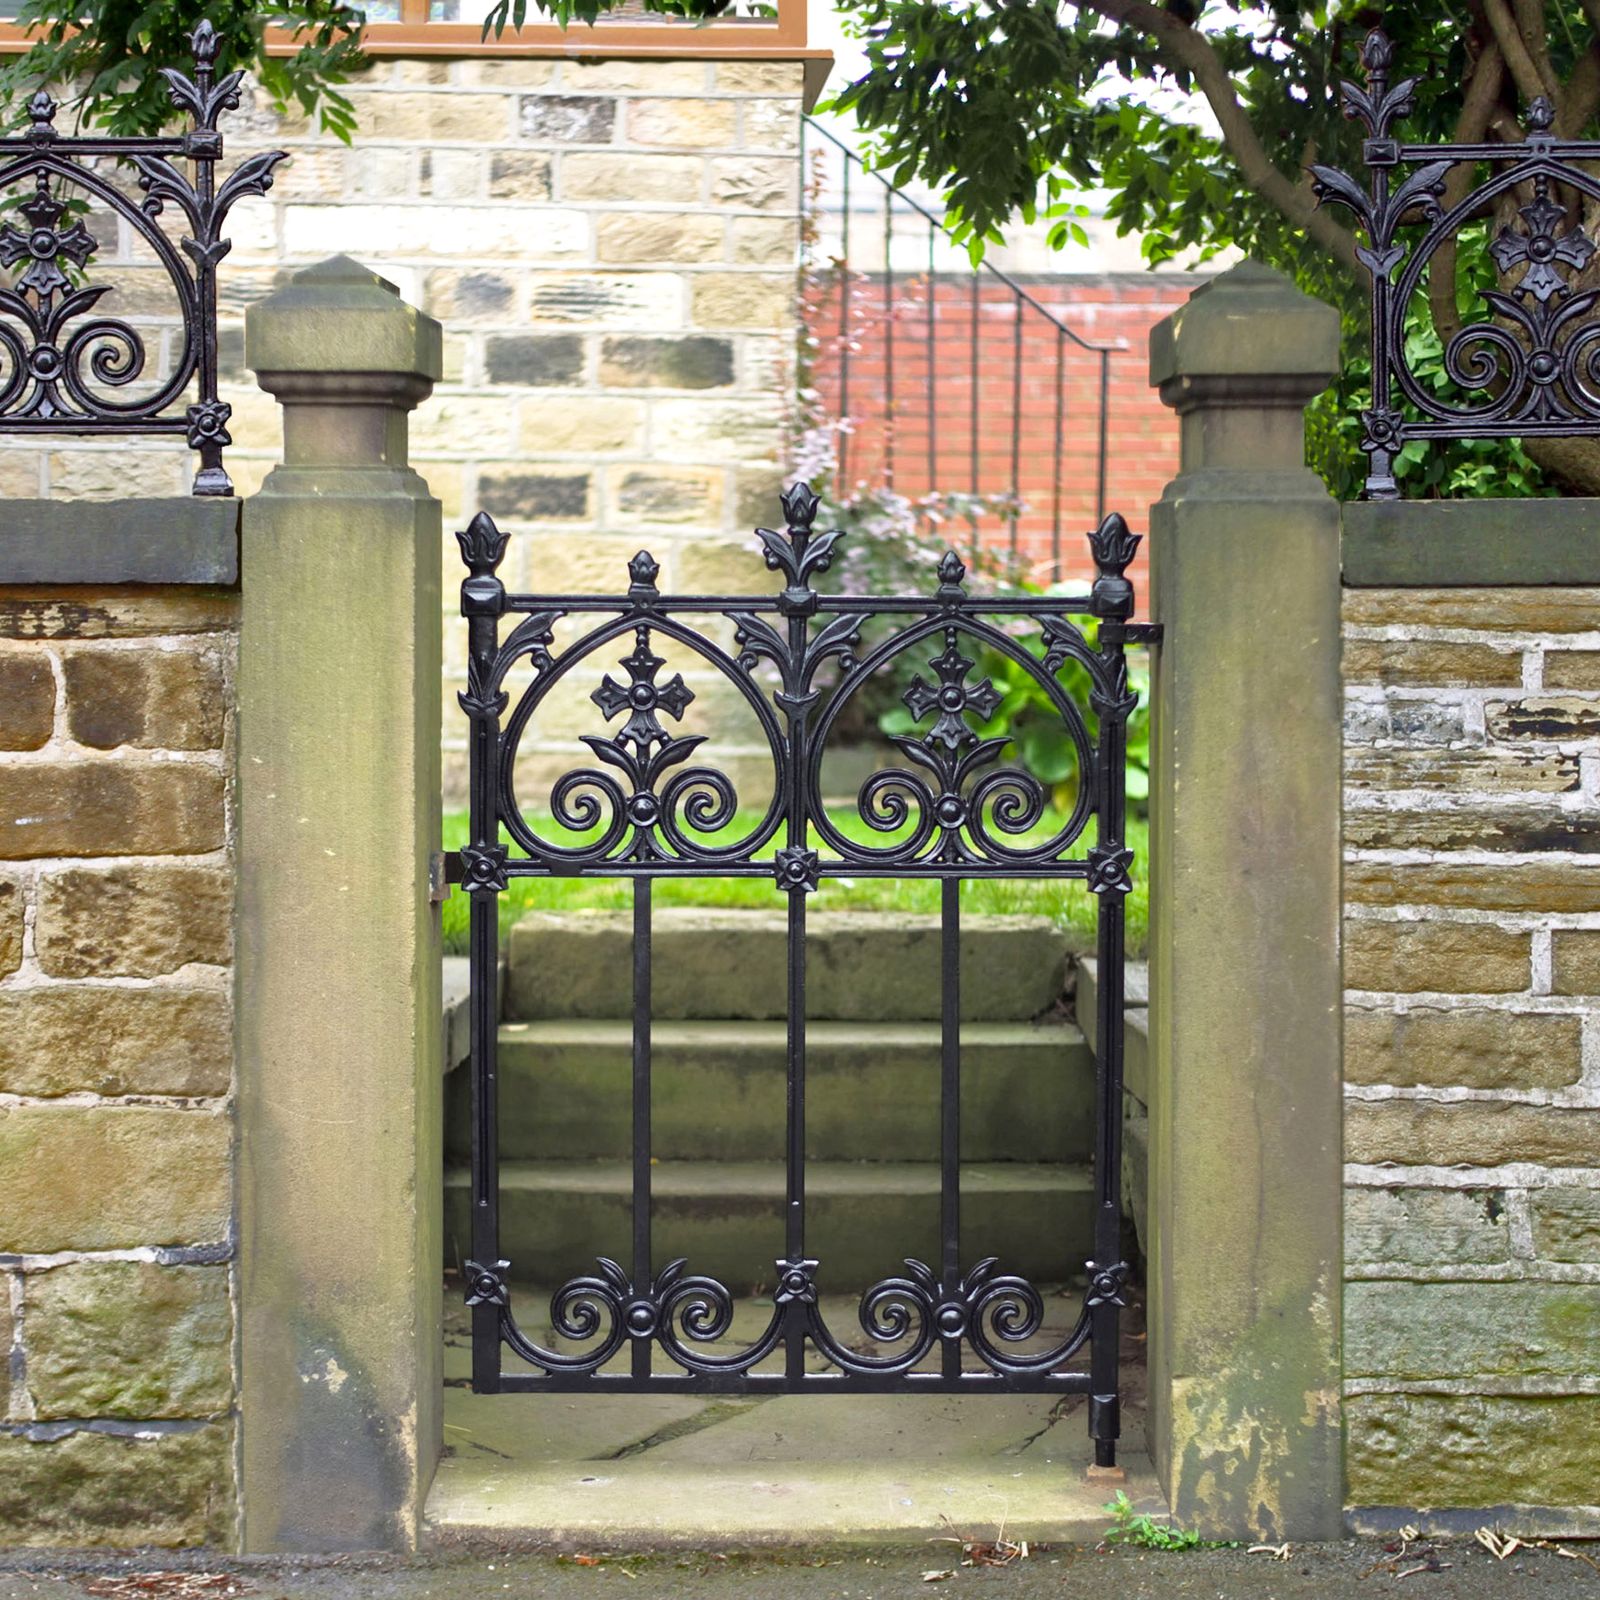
column 952, row 813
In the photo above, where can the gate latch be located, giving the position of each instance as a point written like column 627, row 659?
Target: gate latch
column 438, row 879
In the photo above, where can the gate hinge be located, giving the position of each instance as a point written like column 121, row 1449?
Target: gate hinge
column 440, row 877
column 1143, row 632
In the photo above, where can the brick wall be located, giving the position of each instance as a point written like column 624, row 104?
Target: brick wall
column 929, row 426
column 116, row 1064
column 1472, row 956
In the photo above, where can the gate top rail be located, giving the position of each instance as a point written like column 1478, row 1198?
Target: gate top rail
column 1531, row 366
column 63, row 359
column 648, row 811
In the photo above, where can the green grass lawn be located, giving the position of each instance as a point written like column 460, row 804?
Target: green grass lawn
column 1068, row 903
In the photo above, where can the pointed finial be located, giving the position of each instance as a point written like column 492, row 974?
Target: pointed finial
column 1377, row 52
column 952, row 574
column 482, row 545
column 1114, row 546
column 1541, row 114
column 643, row 571
column 203, row 43
column 799, row 506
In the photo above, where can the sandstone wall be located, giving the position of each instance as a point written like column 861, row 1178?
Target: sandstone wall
column 1472, row 958
column 116, row 1069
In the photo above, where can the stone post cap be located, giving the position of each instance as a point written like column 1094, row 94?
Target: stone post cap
column 340, row 321
column 1248, row 337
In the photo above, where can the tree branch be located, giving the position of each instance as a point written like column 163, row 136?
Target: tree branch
column 1185, row 47
column 1532, row 25
column 1507, row 35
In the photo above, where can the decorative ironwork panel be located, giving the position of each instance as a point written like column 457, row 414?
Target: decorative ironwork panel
column 1531, row 364
column 68, row 363
column 649, row 806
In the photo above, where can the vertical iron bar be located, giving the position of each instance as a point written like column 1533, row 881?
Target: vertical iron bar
column 976, row 295
column 1016, row 425
column 642, row 1264
column 1104, row 1399
column 1105, row 403
column 844, row 330
column 888, row 336
column 796, row 834
column 1055, row 491
column 950, row 1107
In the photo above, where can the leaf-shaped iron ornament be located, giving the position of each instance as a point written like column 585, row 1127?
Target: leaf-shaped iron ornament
column 1531, row 364
column 69, row 364
column 799, row 552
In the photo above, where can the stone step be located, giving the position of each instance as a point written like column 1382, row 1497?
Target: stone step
column 718, row 1091
column 726, row 1218
column 726, row 965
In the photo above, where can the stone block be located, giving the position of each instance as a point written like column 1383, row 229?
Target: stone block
column 11, row 909
column 1444, row 957
column 695, row 362
column 380, row 175
column 1420, row 663
column 718, row 566
column 509, row 73
column 756, row 492
column 534, row 360
column 1572, row 669
column 1425, row 1227
column 682, row 124
column 717, row 430
column 519, row 174
column 1566, row 1224
column 643, row 299
column 1467, row 823
column 760, row 77
column 1470, row 1450
column 84, row 473
column 771, row 124
column 454, row 174
column 764, row 241
column 655, row 237
column 466, row 424
column 1412, row 1330
column 129, row 1339
column 769, row 183
column 652, row 76
column 1530, row 886
column 27, row 699
column 471, row 296
column 110, row 808
column 1491, row 610
column 526, row 232
column 151, row 699
column 92, row 1488
column 454, row 116
column 566, row 119
column 97, row 1177
column 1470, row 1133
column 1462, row 1048
column 68, row 1038
column 745, row 300
column 1550, row 718
column 1474, row 770
column 579, row 564
column 674, row 495
column 1575, row 960
column 535, row 496
column 588, row 425
column 130, row 921
column 591, row 175
column 25, row 613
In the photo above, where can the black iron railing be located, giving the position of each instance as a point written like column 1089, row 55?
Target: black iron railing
column 651, row 807
column 69, row 366
column 936, row 373
column 1531, row 366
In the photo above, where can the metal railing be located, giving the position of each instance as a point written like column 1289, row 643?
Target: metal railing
column 1528, row 366
column 985, row 391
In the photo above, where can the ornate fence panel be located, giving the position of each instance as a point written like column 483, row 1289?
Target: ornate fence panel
column 69, row 364
column 649, row 809
column 1530, row 366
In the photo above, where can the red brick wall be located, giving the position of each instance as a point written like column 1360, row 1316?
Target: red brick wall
column 924, row 439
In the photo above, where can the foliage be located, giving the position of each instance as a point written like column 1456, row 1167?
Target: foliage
column 1140, row 1529
column 111, row 53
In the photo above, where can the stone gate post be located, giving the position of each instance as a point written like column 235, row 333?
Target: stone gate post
column 338, row 960
column 1244, row 970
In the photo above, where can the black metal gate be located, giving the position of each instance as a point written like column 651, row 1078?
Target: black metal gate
column 647, row 812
